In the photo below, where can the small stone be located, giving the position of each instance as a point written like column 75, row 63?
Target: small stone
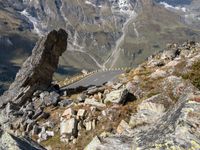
column 74, row 141
column 65, row 93
column 88, row 126
column 22, row 127
column 37, row 93
column 100, row 96
column 99, row 118
column 34, row 99
column 49, row 124
column 10, row 108
column 117, row 86
column 51, row 99
column 18, row 113
column 93, row 124
column 81, row 113
column 71, row 138
column 158, row 74
column 93, row 109
column 30, row 114
column 82, row 97
column 17, row 133
column 36, row 130
column 49, row 148
column 29, row 107
column 94, row 103
column 43, row 94
column 80, row 125
column 104, row 113
column 16, row 124
column 45, row 115
column 65, row 103
column 50, row 133
column 55, row 97
column 37, row 113
column 122, row 127
column 64, row 140
column 30, row 126
column 43, row 135
column 68, row 113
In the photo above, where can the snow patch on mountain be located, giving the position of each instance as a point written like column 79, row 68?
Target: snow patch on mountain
column 34, row 21
column 172, row 7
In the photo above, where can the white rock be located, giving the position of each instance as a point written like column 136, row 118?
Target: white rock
column 114, row 96
column 94, row 124
column 50, row 133
column 81, row 113
column 104, row 113
column 74, row 141
column 158, row 74
column 68, row 127
column 122, row 127
column 94, row 102
column 88, row 126
column 68, row 113
column 93, row 144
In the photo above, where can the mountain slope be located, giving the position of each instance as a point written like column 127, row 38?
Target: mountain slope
column 101, row 33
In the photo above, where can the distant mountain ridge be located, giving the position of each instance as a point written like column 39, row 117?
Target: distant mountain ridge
column 102, row 33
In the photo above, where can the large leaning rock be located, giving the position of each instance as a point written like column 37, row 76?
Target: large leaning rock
column 37, row 71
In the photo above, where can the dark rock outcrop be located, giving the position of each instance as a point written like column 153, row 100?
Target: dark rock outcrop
column 37, row 71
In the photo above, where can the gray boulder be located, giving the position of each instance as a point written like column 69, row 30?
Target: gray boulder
column 121, row 96
column 51, row 99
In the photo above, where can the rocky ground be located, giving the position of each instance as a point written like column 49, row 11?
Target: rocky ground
column 154, row 106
